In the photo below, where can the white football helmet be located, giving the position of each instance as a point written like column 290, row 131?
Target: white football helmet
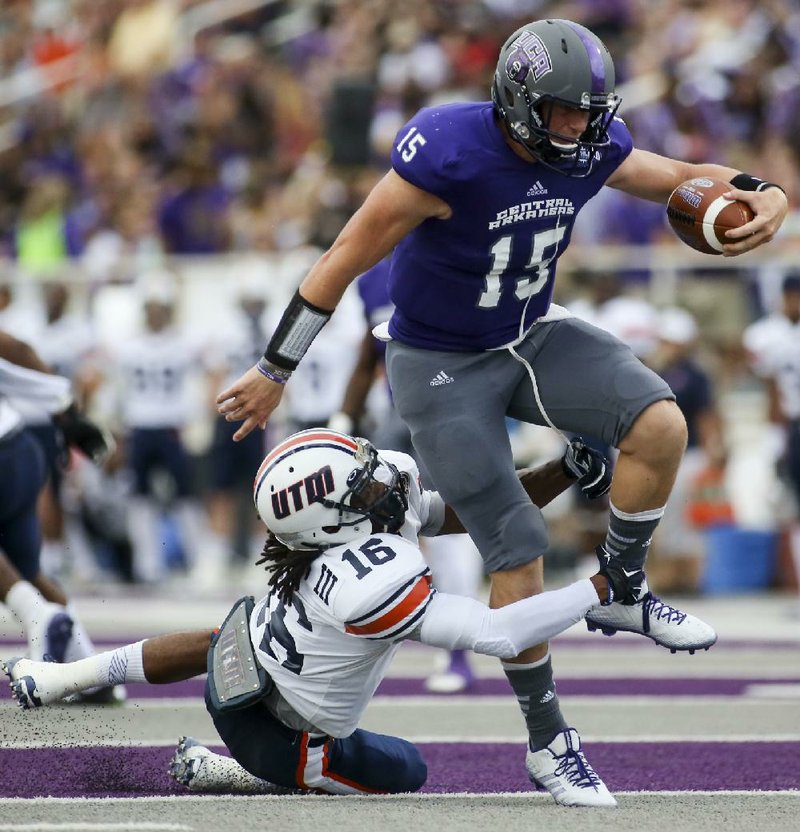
column 320, row 488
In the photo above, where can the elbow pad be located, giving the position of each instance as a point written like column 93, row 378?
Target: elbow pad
column 463, row 623
column 458, row 623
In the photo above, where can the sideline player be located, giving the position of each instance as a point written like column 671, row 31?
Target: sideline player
column 151, row 376
column 773, row 345
column 51, row 626
column 478, row 207
column 348, row 585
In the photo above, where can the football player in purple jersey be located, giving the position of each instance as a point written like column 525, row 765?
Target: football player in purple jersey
column 479, row 205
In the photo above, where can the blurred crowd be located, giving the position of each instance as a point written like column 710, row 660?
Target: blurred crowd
column 135, row 131
column 132, row 129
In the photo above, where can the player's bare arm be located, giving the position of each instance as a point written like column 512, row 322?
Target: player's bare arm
column 20, row 353
column 392, row 210
column 653, row 177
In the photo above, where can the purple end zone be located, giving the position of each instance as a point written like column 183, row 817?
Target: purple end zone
column 456, row 767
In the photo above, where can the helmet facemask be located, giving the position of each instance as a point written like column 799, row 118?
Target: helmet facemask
column 565, row 154
column 369, row 497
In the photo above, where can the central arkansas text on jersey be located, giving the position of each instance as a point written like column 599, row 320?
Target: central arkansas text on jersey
column 479, row 279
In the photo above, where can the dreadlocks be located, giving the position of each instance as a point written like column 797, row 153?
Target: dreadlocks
column 288, row 567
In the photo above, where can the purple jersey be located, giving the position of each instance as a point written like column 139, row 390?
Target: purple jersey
column 373, row 287
column 480, row 279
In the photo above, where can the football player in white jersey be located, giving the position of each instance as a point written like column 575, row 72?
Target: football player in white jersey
column 66, row 343
column 773, row 345
column 49, row 622
column 153, row 373
column 348, row 584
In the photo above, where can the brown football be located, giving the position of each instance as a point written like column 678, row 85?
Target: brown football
column 700, row 216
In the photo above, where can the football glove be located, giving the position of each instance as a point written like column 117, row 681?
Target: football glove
column 82, row 433
column 588, row 466
column 625, row 586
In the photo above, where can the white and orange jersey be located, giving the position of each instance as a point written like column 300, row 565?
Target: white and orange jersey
column 329, row 650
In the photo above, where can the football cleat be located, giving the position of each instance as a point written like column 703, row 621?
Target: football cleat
column 563, row 770
column 34, row 684
column 186, row 763
column 23, row 688
column 664, row 624
column 202, row 770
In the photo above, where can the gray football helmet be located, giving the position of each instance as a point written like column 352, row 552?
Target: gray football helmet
column 558, row 61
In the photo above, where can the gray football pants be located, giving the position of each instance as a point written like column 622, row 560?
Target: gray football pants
column 589, row 383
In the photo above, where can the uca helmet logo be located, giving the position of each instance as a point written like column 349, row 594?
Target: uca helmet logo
column 528, row 55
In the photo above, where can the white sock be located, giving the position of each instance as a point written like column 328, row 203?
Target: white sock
column 28, row 604
column 51, row 557
column 192, row 527
column 55, row 681
column 125, row 664
column 148, row 561
column 80, row 645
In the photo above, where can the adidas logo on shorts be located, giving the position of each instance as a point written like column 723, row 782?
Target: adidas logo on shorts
column 441, row 378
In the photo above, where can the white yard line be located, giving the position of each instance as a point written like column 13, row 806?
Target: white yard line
column 526, row 796
column 87, row 826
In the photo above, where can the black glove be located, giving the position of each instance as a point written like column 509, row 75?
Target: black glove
column 588, row 466
column 625, row 586
column 82, row 433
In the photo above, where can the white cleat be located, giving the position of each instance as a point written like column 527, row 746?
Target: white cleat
column 665, row 625
column 34, row 684
column 187, row 763
column 564, row 771
column 202, row 770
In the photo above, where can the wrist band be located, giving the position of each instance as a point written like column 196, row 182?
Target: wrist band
column 273, row 373
column 298, row 327
column 745, row 182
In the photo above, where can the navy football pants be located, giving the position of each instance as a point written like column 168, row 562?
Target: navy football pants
column 22, row 475
column 363, row 763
